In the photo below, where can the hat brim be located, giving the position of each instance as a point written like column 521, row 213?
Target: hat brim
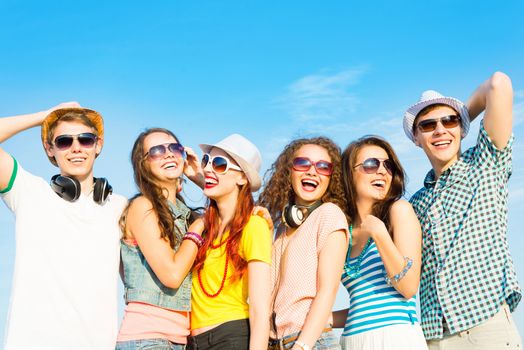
column 413, row 111
column 252, row 175
column 55, row 115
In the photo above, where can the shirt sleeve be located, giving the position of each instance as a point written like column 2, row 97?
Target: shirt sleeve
column 330, row 219
column 487, row 154
column 20, row 186
column 256, row 240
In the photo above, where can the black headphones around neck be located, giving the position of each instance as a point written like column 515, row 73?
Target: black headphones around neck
column 69, row 188
column 294, row 215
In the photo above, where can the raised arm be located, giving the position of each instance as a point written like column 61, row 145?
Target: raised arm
column 330, row 265
column 170, row 267
column 495, row 96
column 407, row 242
column 10, row 126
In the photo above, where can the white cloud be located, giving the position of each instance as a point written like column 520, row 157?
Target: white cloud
column 322, row 96
column 518, row 113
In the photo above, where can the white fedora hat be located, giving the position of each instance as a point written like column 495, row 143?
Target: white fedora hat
column 245, row 153
column 431, row 97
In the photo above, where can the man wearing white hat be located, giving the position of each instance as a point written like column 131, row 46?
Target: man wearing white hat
column 468, row 285
column 65, row 281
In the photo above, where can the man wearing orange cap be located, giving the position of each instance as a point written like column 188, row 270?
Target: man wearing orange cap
column 64, row 292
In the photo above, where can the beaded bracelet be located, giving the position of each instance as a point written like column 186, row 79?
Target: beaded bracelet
column 396, row 278
column 195, row 238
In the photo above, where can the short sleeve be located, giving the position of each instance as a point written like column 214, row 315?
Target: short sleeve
column 20, row 185
column 256, row 240
column 330, row 219
column 487, row 154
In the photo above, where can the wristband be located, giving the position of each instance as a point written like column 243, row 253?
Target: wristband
column 195, row 238
column 304, row 346
column 396, row 278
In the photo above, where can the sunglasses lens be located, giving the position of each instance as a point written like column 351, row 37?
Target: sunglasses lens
column 324, row 168
column 87, row 139
column 63, row 142
column 390, row 168
column 427, row 125
column 301, row 164
column 450, row 121
column 371, row 165
column 177, row 149
column 157, row 151
column 219, row 165
column 205, row 160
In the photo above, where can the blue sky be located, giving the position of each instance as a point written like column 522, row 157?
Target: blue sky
column 269, row 70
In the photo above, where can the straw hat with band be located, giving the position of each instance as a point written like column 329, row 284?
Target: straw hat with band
column 431, row 97
column 245, row 153
column 95, row 118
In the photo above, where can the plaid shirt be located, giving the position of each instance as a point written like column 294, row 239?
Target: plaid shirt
column 467, row 271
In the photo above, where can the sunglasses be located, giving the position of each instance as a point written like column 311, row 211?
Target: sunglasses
column 449, row 122
column 158, row 151
column 85, row 139
column 371, row 165
column 323, row 167
column 219, row 164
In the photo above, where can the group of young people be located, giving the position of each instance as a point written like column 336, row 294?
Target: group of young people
column 246, row 274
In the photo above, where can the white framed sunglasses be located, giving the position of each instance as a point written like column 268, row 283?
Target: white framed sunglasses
column 219, row 164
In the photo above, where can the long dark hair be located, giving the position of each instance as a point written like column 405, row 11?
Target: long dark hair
column 278, row 190
column 148, row 187
column 243, row 211
column 396, row 191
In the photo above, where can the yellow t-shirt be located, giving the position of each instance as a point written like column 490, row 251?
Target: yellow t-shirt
column 231, row 304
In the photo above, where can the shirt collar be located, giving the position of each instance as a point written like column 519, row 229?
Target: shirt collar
column 179, row 209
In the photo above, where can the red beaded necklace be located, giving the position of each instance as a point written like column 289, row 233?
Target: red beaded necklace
column 209, row 295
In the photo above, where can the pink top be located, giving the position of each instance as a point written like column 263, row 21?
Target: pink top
column 144, row 321
column 295, row 259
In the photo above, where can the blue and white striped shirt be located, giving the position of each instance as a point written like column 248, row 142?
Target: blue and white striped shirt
column 372, row 303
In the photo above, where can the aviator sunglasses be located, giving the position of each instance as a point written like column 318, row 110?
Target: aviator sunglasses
column 371, row 165
column 449, row 122
column 303, row 164
column 85, row 139
column 158, row 151
column 219, row 164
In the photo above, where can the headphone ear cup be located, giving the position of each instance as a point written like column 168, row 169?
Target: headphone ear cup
column 66, row 187
column 102, row 190
column 292, row 216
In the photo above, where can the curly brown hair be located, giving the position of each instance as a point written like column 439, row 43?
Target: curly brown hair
column 396, row 191
column 278, row 191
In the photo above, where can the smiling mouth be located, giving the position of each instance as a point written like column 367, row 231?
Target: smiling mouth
column 210, row 182
column 309, row 185
column 77, row 160
column 379, row 184
column 441, row 144
column 170, row 165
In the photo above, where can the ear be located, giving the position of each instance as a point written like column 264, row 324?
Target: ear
column 48, row 150
column 99, row 145
column 241, row 181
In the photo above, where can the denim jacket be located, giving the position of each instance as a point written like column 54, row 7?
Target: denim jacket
column 140, row 282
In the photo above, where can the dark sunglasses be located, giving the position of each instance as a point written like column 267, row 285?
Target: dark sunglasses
column 158, row 151
column 303, row 164
column 85, row 139
column 449, row 122
column 219, row 164
column 371, row 165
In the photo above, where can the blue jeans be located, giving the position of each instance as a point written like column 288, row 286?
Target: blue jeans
column 148, row 344
column 327, row 341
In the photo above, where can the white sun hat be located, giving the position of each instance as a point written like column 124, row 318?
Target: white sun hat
column 431, row 97
column 245, row 153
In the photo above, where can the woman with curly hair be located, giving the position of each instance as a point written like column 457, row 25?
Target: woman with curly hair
column 156, row 253
column 382, row 269
column 234, row 262
column 304, row 195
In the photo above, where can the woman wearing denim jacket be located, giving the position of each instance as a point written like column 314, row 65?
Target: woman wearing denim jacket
column 157, row 254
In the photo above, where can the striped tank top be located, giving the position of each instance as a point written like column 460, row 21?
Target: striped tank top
column 372, row 303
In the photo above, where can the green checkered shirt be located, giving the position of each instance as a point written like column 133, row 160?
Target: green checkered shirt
column 467, row 270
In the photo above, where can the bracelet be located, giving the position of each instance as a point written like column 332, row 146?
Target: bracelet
column 195, row 238
column 396, row 278
column 302, row 345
